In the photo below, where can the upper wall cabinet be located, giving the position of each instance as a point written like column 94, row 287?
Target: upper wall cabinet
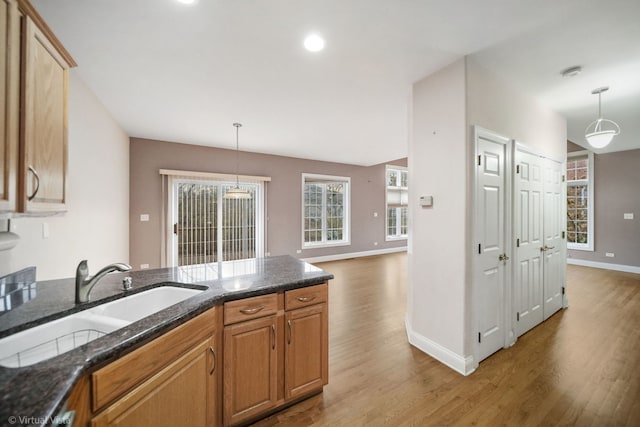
column 35, row 68
column 9, row 104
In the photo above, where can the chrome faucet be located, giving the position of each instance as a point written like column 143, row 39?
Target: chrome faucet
column 84, row 285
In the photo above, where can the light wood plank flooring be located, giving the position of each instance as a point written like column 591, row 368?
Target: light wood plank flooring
column 581, row 367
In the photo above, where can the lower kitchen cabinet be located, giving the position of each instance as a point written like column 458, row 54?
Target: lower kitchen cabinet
column 179, row 394
column 250, row 369
column 173, row 380
column 306, row 361
column 272, row 352
column 278, row 355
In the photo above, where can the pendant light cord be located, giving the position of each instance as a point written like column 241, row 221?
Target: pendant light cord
column 237, row 125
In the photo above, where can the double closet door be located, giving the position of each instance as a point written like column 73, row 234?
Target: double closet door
column 539, row 263
column 519, row 264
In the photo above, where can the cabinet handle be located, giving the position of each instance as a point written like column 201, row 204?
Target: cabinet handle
column 306, row 299
column 273, row 335
column 290, row 330
column 251, row 310
column 33, row 171
column 215, row 360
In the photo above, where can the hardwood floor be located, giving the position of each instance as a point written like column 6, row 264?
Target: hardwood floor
column 581, row 367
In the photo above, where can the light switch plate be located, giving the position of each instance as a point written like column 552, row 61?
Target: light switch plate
column 628, row 216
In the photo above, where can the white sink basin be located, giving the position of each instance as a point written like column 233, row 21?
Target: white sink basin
column 61, row 335
column 143, row 304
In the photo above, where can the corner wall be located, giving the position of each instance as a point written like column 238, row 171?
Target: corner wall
column 437, row 252
column 95, row 226
column 284, row 197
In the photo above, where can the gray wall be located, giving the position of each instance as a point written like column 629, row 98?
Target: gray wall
column 616, row 192
column 284, row 196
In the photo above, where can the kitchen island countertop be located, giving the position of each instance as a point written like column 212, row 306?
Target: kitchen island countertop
column 33, row 395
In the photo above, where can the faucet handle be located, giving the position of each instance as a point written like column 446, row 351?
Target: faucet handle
column 127, row 283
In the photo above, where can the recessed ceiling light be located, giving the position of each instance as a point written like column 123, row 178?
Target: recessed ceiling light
column 314, row 43
column 188, row 1
column 571, row 71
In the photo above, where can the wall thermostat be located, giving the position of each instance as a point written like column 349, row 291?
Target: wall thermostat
column 426, row 201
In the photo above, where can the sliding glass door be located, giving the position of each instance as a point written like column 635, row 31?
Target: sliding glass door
column 209, row 228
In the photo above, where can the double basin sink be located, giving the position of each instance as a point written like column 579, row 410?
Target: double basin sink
column 61, row 335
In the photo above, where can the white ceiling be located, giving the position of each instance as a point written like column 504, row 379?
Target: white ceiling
column 185, row 73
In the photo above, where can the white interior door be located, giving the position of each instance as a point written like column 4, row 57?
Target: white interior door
column 528, row 259
column 490, row 231
column 553, row 248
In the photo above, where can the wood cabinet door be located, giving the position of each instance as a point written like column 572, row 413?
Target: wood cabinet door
column 43, row 166
column 306, row 354
column 9, row 102
column 182, row 394
column 250, row 369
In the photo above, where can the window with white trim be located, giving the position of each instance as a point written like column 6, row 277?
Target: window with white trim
column 325, row 210
column 580, row 200
column 397, row 202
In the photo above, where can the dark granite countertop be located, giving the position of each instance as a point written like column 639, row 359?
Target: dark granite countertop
column 33, row 395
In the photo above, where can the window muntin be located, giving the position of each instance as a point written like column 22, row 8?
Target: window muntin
column 397, row 201
column 580, row 200
column 325, row 210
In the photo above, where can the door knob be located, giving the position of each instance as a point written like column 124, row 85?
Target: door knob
column 503, row 257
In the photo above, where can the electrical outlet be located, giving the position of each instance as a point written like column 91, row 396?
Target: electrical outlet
column 144, row 266
column 299, row 251
column 144, row 217
column 375, row 214
column 628, row 216
column 609, row 254
column 375, row 243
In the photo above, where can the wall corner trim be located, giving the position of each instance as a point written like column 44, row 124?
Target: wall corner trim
column 461, row 364
column 605, row 265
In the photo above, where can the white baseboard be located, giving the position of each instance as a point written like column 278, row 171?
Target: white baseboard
column 460, row 364
column 338, row 257
column 605, row 265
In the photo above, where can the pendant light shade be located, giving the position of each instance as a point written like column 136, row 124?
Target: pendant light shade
column 601, row 131
column 237, row 192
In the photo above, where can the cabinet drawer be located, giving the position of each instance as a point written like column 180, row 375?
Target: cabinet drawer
column 250, row 308
column 305, row 296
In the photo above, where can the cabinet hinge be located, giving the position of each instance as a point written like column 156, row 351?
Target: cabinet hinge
column 479, row 248
column 518, row 316
column 175, row 228
column 479, row 160
column 479, row 337
column 563, row 178
column 517, row 243
column 563, row 235
column 518, row 169
column 563, row 290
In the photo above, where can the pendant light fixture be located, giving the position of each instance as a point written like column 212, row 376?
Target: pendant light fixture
column 601, row 132
column 237, row 192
